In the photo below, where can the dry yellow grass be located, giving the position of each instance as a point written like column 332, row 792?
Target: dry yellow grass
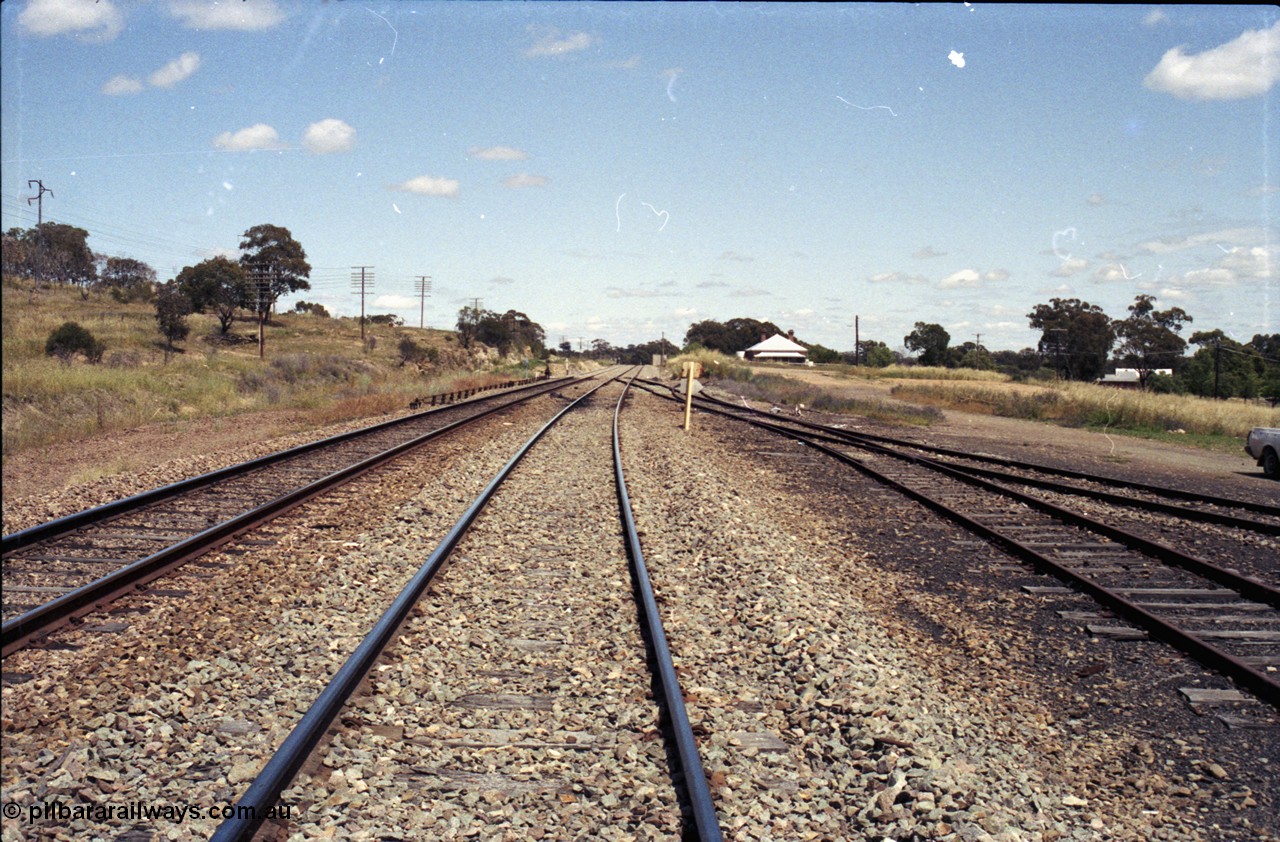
column 316, row 365
column 1087, row 404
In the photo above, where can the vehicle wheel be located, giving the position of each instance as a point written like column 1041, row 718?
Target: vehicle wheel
column 1271, row 463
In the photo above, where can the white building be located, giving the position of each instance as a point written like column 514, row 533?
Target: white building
column 777, row 348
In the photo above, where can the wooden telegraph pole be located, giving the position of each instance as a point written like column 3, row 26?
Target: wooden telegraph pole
column 423, row 285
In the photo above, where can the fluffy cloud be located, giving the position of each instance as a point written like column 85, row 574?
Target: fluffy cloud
column 93, row 20
column 897, row 278
column 175, row 71
column 1257, row 263
column 425, row 185
column 551, row 43
column 525, row 180
column 1233, row 236
column 329, row 136
column 1070, row 266
column 1245, row 67
column 1110, row 272
column 965, row 278
column 246, row 17
column 119, row 85
column 259, row 136
column 497, row 153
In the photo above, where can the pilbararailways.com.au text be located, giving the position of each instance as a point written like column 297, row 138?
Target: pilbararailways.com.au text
column 63, row 811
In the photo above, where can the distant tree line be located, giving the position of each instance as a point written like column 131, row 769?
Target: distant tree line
column 1079, row 341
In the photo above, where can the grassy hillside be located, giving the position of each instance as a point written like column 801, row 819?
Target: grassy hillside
column 313, row 364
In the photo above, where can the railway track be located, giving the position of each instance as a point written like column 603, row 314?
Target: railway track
column 514, row 698
column 58, row 571
column 1228, row 621
column 561, row 676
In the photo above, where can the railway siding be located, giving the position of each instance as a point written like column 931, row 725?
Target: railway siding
column 910, row 699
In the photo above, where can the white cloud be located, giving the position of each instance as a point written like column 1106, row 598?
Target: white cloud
column 93, row 20
column 1069, row 267
column 328, row 136
column 175, row 71
column 502, row 281
column 733, row 255
column 119, row 85
column 927, row 252
column 1257, row 262
column 425, row 185
column 497, row 153
column 996, row 275
column 1245, row 67
column 525, row 180
column 259, row 136
column 1110, row 272
column 965, row 278
column 1095, row 200
column 897, row 278
column 1215, row 277
column 1155, row 17
column 956, row 58
column 551, row 43
column 749, row 292
column 1232, row 236
column 246, row 17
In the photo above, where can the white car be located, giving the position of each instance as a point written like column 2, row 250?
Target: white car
column 1263, row 444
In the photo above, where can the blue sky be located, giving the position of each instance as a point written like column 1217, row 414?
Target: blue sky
column 621, row 170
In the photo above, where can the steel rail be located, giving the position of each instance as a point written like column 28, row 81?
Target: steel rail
column 1184, row 512
column 1259, row 683
column 21, row 630
column 706, row 823
column 1178, row 493
column 251, row 810
column 1244, row 585
column 68, row 523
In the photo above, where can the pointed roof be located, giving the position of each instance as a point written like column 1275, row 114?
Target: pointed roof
column 777, row 344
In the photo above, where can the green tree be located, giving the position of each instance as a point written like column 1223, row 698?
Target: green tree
column 311, row 308
column 50, row 252
column 216, row 284
column 730, row 337
column 1076, row 337
column 930, row 342
column 879, row 356
column 70, row 339
column 274, row 263
column 127, row 279
column 1222, row 367
column 172, row 309
column 1149, row 338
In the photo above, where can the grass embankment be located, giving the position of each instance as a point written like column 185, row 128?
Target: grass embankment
column 784, row 391
column 1216, row 425
column 316, row 366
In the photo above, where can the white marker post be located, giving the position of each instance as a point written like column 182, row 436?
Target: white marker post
column 690, row 371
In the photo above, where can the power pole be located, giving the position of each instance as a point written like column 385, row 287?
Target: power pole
column 857, row 343
column 1217, row 358
column 260, row 279
column 361, row 283
column 422, row 286
column 38, row 198
column 476, row 307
